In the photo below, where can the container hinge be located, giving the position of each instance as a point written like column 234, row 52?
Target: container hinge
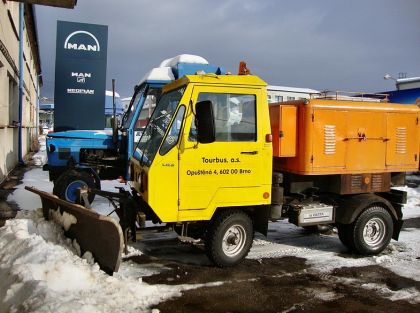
column 179, row 202
column 313, row 117
column 417, row 120
column 312, row 159
column 179, row 156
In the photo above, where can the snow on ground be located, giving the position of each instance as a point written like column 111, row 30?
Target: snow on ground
column 27, row 200
column 412, row 208
column 325, row 252
column 38, row 178
column 40, row 270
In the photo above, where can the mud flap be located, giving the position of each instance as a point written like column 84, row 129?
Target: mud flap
column 101, row 235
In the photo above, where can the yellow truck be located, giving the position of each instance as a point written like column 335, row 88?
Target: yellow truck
column 217, row 162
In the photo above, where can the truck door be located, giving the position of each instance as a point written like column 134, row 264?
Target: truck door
column 226, row 172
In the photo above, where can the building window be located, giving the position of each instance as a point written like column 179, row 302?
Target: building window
column 32, row 114
column 13, row 102
column 290, row 98
column 279, row 98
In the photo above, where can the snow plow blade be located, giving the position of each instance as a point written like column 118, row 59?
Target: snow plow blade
column 101, row 235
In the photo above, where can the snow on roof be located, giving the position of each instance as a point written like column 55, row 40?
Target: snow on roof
column 158, row 73
column 408, row 80
column 109, row 93
column 291, row 89
column 183, row 58
column 164, row 71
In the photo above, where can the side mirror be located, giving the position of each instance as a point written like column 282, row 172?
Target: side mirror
column 204, row 121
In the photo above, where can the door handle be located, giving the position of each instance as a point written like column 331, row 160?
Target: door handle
column 249, row 152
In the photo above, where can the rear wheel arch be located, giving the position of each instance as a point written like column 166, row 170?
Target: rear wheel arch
column 349, row 208
column 370, row 233
column 367, row 222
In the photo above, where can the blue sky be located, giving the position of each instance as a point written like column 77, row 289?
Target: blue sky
column 323, row 44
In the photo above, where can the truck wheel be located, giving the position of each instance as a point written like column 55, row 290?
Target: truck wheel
column 372, row 230
column 66, row 185
column 229, row 238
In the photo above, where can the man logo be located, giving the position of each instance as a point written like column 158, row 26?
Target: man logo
column 81, row 77
column 80, row 46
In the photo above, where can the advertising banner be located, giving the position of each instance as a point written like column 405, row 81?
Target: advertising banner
column 80, row 76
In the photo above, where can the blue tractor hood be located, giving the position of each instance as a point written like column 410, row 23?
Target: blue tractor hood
column 83, row 134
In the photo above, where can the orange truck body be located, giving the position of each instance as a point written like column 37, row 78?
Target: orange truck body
column 326, row 137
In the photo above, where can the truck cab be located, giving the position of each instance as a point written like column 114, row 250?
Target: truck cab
column 200, row 176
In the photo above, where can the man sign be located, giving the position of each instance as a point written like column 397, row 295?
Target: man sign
column 80, row 76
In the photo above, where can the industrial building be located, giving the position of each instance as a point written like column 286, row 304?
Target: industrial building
column 407, row 90
column 283, row 93
column 17, row 120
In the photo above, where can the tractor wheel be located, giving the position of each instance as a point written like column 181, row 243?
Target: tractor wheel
column 372, row 230
column 65, row 187
column 229, row 238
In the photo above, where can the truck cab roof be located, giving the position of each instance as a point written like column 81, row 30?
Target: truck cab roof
column 209, row 78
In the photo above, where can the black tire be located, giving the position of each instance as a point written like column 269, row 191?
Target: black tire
column 372, row 230
column 73, row 179
column 229, row 238
column 345, row 233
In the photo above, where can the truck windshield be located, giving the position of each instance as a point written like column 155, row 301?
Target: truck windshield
column 128, row 116
column 156, row 128
column 150, row 95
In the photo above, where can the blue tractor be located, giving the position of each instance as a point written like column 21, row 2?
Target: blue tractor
column 82, row 158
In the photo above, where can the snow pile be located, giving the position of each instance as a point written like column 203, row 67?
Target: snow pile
column 65, row 220
column 40, row 158
column 40, row 271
